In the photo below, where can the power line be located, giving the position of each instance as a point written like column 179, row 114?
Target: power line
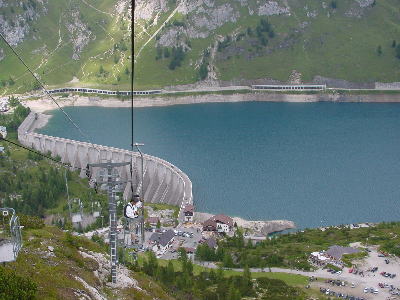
column 38, row 153
column 46, row 92
column 132, row 65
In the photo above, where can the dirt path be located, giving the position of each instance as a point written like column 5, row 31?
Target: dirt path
column 157, row 31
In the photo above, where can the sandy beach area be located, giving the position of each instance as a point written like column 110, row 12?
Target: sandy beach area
column 45, row 104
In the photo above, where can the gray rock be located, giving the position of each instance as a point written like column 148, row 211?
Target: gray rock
column 271, row 8
column 145, row 9
column 276, row 226
column 339, row 83
column 79, row 33
column 203, row 21
column 365, row 3
column 15, row 29
column 2, row 55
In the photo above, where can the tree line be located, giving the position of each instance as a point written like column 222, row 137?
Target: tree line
column 182, row 282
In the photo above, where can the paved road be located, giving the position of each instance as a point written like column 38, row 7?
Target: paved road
column 369, row 280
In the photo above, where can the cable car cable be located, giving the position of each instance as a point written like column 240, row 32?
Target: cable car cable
column 40, row 154
column 47, row 92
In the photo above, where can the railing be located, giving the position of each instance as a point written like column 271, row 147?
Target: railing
column 294, row 87
column 15, row 236
column 102, row 92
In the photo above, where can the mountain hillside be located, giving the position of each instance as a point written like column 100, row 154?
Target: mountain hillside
column 208, row 42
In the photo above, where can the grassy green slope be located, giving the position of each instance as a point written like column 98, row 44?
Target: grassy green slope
column 335, row 46
column 54, row 273
column 331, row 44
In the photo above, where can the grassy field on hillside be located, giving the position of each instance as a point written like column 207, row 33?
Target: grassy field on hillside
column 313, row 39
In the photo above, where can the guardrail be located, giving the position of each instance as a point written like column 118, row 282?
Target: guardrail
column 293, row 87
column 102, row 92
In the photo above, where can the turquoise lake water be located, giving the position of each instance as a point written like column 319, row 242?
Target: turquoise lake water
column 313, row 163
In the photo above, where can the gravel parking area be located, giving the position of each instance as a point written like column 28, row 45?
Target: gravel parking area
column 369, row 279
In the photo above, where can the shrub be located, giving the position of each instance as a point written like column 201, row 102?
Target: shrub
column 31, row 222
column 13, row 286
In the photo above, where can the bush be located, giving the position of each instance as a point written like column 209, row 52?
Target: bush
column 13, row 286
column 31, row 222
column 13, row 101
column 398, row 51
column 203, row 71
column 348, row 258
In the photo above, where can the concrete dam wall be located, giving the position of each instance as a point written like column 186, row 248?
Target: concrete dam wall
column 163, row 182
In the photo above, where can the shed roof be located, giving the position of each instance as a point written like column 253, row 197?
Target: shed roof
column 188, row 208
column 152, row 220
column 163, row 238
column 338, row 251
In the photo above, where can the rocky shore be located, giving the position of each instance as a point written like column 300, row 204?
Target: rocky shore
column 42, row 105
column 261, row 227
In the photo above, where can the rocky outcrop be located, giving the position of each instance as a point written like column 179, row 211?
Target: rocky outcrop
column 2, row 55
column 16, row 27
column 276, row 226
column 79, row 33
column 103, row 270
column 205, row 18
column 271, row 8
column 265, row 227
column 145, row 9
column 365, row 3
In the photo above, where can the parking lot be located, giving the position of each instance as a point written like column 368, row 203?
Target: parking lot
column 185, row 237
column 368, row 280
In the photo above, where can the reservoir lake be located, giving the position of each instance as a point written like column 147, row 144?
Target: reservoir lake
column 316, row 164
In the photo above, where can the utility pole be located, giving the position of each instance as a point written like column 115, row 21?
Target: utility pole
column 112, row 182
column 69, row 200
column 141, row 192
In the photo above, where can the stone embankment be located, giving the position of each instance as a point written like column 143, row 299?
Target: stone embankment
column 257, row 227
column 162, row 183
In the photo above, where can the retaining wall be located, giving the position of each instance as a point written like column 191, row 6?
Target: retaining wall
column 163, row 182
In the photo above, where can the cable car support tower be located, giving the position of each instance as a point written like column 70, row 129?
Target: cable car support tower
column 111, row 179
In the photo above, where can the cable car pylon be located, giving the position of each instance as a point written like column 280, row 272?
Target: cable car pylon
column 111, row 180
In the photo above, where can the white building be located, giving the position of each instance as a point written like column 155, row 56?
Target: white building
column 4, row 105
column 162, row 241
column 188, row 211
column 219, row 223
column 3, row 131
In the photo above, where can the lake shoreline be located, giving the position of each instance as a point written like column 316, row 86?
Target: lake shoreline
column 43, row 105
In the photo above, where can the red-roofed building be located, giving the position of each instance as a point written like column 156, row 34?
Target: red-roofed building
column 153, row 221
column 219, row 223
column 188, row 211
column 190, row 252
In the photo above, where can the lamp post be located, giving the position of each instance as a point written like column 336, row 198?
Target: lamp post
column 137, row 145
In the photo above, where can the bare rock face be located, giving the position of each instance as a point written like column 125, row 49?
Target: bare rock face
column 15, row 29
column 277, row 226
column 2, row 55
column 365, row 3
column 198, row 6
column 79, row 33
column 122, row 6
column 265, row 227
column 212, row 18
column 271, row 8
column 145, row 9
column 205, row 18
